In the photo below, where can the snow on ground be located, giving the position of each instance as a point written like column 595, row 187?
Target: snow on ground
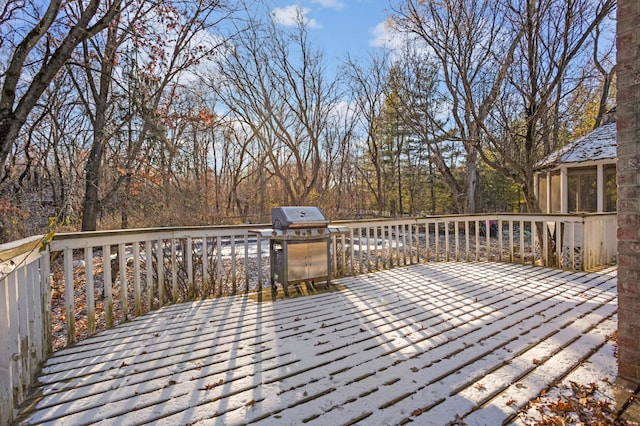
column 472, row 343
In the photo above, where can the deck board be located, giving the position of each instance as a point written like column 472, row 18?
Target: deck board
column 430, row 343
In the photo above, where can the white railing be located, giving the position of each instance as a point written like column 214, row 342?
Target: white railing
column 25, row 326
column 118, row 275
column 575, row 242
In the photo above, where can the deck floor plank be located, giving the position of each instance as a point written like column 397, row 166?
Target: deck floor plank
column 431, row 343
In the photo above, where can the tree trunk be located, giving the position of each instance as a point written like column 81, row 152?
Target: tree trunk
column 91, row 206
column 473, row 183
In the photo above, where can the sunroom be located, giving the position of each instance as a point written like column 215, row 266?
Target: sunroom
column 580, row 177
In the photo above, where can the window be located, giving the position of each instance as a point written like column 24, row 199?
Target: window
column 555, row 192
column 542, row 192
column 610, row 188
column 582, row 185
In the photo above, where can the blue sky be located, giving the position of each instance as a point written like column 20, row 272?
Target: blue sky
column 338, row 27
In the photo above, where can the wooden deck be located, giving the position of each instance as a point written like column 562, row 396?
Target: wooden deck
column 433, row 344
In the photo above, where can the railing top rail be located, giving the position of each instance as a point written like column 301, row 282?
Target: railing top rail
column 82, row 239
column 479, row 216
column 16, row 248
column 62, row 241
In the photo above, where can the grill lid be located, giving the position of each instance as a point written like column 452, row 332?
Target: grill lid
column 298, row 217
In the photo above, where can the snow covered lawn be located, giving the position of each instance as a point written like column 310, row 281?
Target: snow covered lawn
column 471, row 343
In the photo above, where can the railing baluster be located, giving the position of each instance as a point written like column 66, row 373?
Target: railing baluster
column 107, row 282
column 32, row 277
column 522, row 241
column 343, row 242
column 368, row 237
column 89, row 290
column 259, row 249
column 204, row 258
column 234, row 284
column 124, row 294
column 376, row 251
column 437, row 235
column 500, row 244
column 477, row 258
column 24, row 330
column 69, row 296
column 572, row 246
column 219, row 275
column 246, row 262
column 487, row 231
column 397, row 243
column 411, row 245
column 446, row 241
column 534, row 242
column 545, row 233
column 456, row 233
column 148, row 271
column 174, row 271
column 466, row 241
column 187, row 255
column 45, row 286
column 511, row 254
column 160, row 268
column 404, row 244
column 559, row 243
column 427, row 231
column 137, row 293
column 13, row 347
column 383, row 246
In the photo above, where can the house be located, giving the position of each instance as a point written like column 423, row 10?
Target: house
column 581, row 176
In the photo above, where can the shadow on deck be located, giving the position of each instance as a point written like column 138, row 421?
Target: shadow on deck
column 434, row 344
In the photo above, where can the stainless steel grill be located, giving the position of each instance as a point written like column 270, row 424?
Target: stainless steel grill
column 299, row 245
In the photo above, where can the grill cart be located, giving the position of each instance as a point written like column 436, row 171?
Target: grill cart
column 299, row 245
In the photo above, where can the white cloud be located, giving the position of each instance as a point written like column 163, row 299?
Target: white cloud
column 387, row 37
column 332, row 4
column 290, row 16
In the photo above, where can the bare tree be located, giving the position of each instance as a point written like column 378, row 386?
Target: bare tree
column 530, row 119
column 429, row 145
column 150, row 82
column 274, row 84
column 606, row 67
column 474, row 44
column 368, row 86
column 38, row 51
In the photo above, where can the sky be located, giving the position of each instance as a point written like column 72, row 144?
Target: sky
column 338, row 27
